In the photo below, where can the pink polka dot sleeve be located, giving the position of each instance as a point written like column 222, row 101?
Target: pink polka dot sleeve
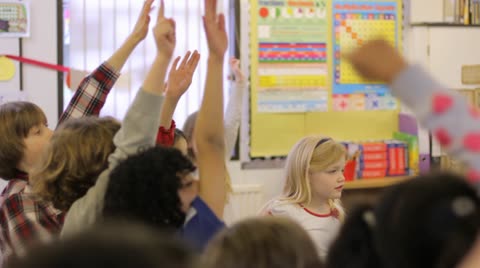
column 447, row 114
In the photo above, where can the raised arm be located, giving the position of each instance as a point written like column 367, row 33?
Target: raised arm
column 179, row 80
column 138, row 128
column 91, row 94
column 233, row 114
column 209, row 133
column 447, row 114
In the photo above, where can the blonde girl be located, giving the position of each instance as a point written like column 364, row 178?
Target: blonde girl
column 313, row 187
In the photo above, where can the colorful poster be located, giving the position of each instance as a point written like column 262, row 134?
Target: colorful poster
column 297, row 101
column 14, row 19
column 292, row 56
column 354, row 23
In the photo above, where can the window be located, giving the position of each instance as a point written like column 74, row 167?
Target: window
column 97, row 28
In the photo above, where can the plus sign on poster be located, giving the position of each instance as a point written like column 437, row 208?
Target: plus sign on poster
column 356, row 22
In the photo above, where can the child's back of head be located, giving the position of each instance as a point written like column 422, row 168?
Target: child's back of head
column 110, row 245
column 263, row 243
column 16, row 121
column 430, row 221
column 145, row 188
column 78, row 152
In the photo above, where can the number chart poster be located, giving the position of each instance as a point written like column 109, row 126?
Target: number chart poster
column 292, row 56
column 355, row 23
column 14, row 19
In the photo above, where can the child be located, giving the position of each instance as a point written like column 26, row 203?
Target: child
column 111, row 245
column 262, row 243
column 171, row 201
column 76, row 155
column 137, row 131
column 168, row 173
column 430, row 221
column 448, row 115
column 233, row 113
column 313, row 187
column 179, row 80
column 24, row 137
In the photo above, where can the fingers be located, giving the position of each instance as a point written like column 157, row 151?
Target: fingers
column 185, row 59
column 234, row 63
column 161, row 11
column 175, row 63
column 194, row 59
column 221, row 22
column 210, row 9
column 147, row 7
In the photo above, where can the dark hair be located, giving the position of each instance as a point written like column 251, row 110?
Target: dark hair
column 354, row 246
column 111, row 245
column 16, row 120
column 430, row 221
column 145, row 187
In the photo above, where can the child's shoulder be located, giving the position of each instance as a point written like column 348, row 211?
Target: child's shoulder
column 14, row 186
column 279, row 207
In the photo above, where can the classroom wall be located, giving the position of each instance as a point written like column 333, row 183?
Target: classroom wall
column 39, row 85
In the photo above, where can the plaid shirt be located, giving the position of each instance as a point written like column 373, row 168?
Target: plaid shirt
column 91, row 93
column 23, row 219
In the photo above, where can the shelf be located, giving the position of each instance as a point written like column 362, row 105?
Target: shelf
column 443, row 24
column 373, row 183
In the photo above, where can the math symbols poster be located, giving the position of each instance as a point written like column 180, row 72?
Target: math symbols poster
column 355, row 23
column 292, row 56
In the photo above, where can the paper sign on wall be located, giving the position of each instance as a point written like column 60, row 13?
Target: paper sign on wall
column 292, row 56
column 7, row 68
column 14, row 19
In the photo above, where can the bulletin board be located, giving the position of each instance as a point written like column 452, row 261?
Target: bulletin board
column 300, row 84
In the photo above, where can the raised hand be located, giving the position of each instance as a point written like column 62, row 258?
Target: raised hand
column 215, row 30
column 235, row 65
column 140, row 29
column 180, row 78
column 377, row 60
column 164, row 33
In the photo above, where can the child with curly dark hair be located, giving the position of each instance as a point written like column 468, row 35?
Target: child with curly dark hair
column 158, row 186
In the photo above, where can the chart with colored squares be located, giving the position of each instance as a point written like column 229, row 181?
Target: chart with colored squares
column 292, row 56
column 14, row 19
column 355, row 23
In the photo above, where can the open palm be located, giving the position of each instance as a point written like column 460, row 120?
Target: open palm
column 180, row 76
column 215, row 30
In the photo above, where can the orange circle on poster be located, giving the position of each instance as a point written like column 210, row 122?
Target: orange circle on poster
column 263, row 12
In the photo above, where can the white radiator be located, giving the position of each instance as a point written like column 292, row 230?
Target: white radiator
column 245, row 201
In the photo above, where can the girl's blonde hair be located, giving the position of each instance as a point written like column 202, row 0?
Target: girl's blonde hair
column 312, row 153
column 77, row 154
column 264, row 242
column 16, row 120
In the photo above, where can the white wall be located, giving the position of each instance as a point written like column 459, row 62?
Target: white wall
column 39, row 85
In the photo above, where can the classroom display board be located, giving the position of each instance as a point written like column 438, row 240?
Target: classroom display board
column 292, row 56
column 300, row 83
column 354, row 23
